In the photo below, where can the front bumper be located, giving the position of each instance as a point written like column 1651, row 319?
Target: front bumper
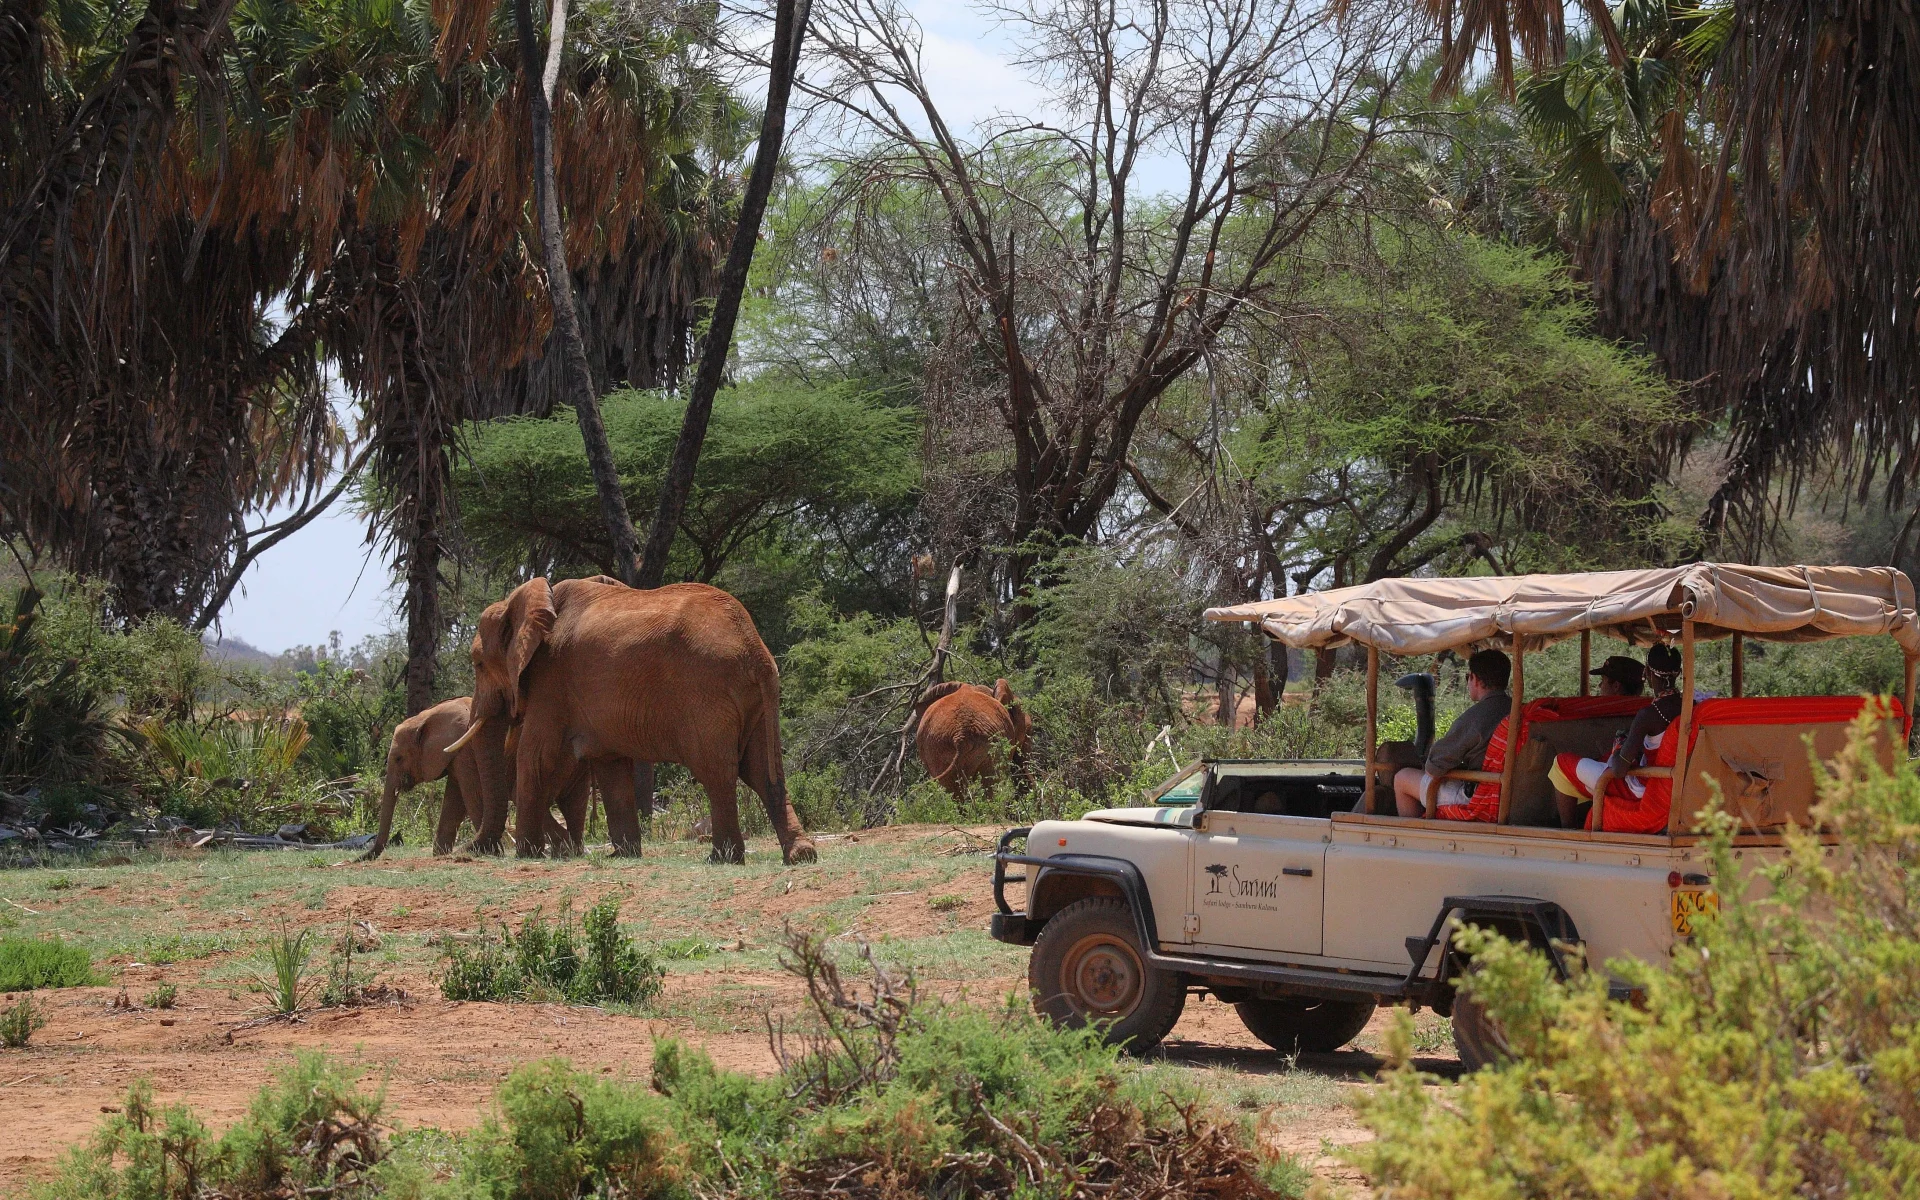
column 1006, row 925
column 1012, row 928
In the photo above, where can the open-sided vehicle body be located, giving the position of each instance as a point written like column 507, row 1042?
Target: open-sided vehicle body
column 1260, row 882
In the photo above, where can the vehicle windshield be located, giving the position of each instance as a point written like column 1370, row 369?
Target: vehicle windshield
column 1182, row 787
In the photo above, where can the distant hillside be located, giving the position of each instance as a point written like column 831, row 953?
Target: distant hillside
column 233, row 649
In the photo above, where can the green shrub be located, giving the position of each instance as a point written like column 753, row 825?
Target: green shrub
column 1777, row 1056
column 53, row 719
column 29, row 963
column 285, row 982
column 163, row 995
column 562, row 1133
column 310, row 1133
column 348, row 717
column 19, row 1022
column 156, row 667
column 597, row 964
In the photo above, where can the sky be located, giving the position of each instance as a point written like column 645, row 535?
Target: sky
column 326, row 578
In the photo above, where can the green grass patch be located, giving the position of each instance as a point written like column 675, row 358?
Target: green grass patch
column 30, row 963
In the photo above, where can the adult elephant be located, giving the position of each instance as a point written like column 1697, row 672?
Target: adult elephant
column 478, row 782
column 592, row 672
column 959, row 726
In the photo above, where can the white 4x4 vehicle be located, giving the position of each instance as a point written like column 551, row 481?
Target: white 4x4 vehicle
column 1258, row 882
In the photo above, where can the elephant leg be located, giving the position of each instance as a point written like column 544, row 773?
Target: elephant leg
column 489, row 805
column 534, row 794
column 614, row 776
column 453, row 810
column 762, row 769
column 729, row 845
column 576, row 804
column 643, row 790
column 575, row 809
column 795, row 845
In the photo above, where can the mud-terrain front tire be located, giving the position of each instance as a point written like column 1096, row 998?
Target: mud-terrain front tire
column 1476, row 1037
column 1295, row 1025
column 1088, row 967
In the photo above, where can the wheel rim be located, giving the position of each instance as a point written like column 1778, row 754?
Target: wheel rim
column 1103, row 976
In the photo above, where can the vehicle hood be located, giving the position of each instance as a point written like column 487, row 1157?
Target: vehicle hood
column 1178, row 816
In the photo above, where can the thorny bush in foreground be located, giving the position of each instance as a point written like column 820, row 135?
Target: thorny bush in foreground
column 311, row 1132
column 1778, row 1056
column 884, row 1095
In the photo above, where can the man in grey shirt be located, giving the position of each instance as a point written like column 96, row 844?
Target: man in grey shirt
column 1465, row 746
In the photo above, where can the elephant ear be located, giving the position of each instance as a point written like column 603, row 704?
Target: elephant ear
column 529, row 620
column 1022, row 723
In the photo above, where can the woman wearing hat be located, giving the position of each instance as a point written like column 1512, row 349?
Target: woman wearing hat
column 1578, row 780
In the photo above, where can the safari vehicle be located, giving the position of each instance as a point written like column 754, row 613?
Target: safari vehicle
column 1284, row 889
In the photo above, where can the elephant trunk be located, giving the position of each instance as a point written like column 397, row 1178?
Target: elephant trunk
column 388, row 796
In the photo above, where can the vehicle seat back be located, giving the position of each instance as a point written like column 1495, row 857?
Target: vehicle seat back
column 1756, row 749
column 1554, row 725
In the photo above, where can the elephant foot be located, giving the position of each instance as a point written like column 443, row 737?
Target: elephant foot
column 626, row 849
column 800, row 851
column 372, row 853
column 529, row 850
column 730, row 852
column 482, row 846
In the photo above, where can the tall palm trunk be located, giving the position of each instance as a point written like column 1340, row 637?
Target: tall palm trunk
column 789, row 26
column 566, row 318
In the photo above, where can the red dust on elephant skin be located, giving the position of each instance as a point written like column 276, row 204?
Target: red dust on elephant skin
column 959, row 725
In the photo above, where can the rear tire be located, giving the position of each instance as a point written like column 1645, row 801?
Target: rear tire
column 1479, row 1041
column 1088, row 968
column 1296, row 1025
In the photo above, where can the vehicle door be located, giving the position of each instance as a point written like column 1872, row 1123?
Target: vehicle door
column 1257, row 882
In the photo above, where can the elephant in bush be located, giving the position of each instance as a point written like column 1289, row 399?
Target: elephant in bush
column 478, row 781
column 592, row 672
column 959, row 726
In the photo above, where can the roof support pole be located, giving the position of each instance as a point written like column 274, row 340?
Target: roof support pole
column 1586, row 662
column 1913, row 673
column 1373, row 722
column 1739, row 665
column 1519, row 693
column 1683, row 729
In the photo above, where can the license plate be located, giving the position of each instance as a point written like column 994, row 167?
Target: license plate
column 1689, row 904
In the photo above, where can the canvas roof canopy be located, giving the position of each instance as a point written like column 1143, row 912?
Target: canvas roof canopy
column 1407, row 616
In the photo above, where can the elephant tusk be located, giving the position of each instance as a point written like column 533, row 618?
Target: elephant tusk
column 464, row 738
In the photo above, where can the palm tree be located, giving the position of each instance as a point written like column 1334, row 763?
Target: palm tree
column 343, row 184
column 1745, row 168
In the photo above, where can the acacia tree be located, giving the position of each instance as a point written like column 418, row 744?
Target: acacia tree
column 1451, row 407
column 1077, row 295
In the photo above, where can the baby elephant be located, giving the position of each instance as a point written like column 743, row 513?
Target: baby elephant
column 477, row 776
column 959, row 723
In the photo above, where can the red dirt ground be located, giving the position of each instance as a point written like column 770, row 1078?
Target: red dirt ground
column 442, row 1060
